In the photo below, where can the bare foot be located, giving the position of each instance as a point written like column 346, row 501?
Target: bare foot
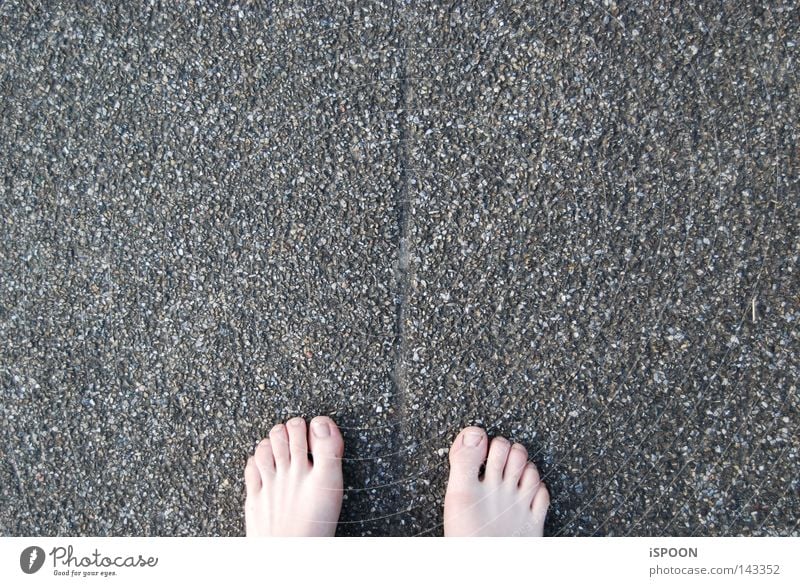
column 288, row 494
column 510, row 499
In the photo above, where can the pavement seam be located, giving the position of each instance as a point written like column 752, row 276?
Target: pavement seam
column 398, row 374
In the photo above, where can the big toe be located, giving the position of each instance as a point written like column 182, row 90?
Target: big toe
column 326, row 443
column 467, row 454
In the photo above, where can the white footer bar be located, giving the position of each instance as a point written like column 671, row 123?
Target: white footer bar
column 376, row 561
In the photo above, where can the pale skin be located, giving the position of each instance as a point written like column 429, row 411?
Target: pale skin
column 294, row 484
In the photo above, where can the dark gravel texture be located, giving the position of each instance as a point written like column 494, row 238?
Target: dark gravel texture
column 573, row 223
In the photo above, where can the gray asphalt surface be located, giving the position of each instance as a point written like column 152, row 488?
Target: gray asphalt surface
column 574, row 225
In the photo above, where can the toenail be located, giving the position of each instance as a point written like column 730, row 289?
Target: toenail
column 320, row 428
column 295, row 422
column 472, row 438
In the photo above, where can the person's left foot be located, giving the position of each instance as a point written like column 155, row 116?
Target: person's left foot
column 288, row 494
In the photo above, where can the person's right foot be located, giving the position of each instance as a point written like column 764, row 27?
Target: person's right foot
column 510, row 499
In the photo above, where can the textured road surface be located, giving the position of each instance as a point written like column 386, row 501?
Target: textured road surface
column 573, row 223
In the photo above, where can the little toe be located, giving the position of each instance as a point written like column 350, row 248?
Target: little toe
column 515, row 464
column 264, row 459
column 279, row 440
column 496, row 461
column 326, row 443
column 539, row 506
column 467, row 454
column 252, row 476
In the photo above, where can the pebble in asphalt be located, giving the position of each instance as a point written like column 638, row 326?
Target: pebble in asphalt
column 576, row 226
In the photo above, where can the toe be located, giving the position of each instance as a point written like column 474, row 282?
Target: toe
column 326, row 443
column 252, row 477
column 298, row 442
column 264, row 459
column 467, row 454
column 530, row 477
column 515, row 464
column 279, row 440
column 496, row 462
column 539, row 506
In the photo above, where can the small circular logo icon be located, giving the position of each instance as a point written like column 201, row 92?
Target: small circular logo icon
column 31, row 559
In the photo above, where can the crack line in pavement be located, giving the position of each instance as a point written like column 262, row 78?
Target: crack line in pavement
column 401, row 270
column 397, row 455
